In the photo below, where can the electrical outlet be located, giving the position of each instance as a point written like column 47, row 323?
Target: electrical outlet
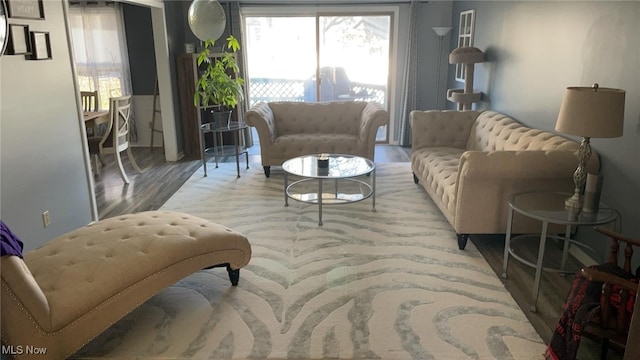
column 46, row 220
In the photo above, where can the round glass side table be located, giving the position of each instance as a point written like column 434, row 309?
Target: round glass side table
column 548, row 207
column 219, row 148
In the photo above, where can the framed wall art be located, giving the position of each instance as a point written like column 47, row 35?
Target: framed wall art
column 18, row 43
column 40, row 46
column 25, row 9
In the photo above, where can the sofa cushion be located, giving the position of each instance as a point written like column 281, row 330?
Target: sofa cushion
column 318, row 118
column 307, row 144
column 495, row 131
column 438, row 166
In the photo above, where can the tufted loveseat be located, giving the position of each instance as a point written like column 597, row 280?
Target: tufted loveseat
column 290, row 129
column 72, row 288
column 471, row 162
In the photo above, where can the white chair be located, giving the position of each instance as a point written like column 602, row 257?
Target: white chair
column 116, row 138
column 89, row 101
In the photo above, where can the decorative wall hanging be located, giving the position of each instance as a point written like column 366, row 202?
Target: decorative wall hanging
column 18, row 43
column 41, row 46
column 25, row 9
column 4, row 27
column 207, row 19
column 465, row 37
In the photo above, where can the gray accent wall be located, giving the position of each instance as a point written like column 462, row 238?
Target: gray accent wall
column 142, row 59
column 535, row 49
column 42, row 164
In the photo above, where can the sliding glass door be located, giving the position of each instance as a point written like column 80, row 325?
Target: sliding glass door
column 347, row 53
column 354, row 58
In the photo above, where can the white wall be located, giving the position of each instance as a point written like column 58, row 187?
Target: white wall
column 42, row 164
column 536, row 49
column 143, row 110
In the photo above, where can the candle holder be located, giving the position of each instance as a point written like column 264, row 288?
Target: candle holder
column 323, row 161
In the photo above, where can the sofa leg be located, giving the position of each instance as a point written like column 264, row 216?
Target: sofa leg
column 415, row 179
column 462, row 241
column 267, row 170
column 234, row 275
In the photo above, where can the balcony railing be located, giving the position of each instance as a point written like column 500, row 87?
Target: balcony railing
column 270, row 89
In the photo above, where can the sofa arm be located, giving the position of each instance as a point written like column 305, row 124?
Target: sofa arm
column 486, row 181
column 434, row 128
column 373, row 116
column 261, row 117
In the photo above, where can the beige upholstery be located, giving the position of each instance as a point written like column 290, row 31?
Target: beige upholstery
column 290, row 129
column 74, row 287
column 471, row 162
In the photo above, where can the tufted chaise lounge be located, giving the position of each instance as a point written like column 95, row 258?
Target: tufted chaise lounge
column 290, row 129
column 74, row 287
column 471, row 162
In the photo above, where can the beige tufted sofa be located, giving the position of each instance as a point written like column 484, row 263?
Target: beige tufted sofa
column 290, row 129
column 71, row 289
column 471, row 162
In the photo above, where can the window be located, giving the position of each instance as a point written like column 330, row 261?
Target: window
column 99, row 46
column 465, row 37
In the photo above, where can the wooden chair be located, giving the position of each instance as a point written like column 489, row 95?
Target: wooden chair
column 612, row 320
column 89, row 101
column 116, row 138
column 632, row 350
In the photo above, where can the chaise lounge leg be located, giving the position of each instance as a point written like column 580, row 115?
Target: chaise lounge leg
column 462, row 241
column 234, row 275
column 267, row 170
column 415, row 179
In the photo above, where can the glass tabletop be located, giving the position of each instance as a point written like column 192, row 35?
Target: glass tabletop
column 549, row 206
column 233, row 126
column 340, row 166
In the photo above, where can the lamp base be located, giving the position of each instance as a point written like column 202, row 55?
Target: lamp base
column 574, row 203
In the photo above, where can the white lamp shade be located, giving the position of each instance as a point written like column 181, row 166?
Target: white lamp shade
column 592, row 112
column 442, row 30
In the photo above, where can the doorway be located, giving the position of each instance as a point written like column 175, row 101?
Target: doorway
column 341, row 56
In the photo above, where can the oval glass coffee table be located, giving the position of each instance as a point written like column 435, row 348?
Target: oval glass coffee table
column 344, row 172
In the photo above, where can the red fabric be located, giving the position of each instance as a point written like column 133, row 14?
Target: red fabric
column 582, row 302
column 615, row 297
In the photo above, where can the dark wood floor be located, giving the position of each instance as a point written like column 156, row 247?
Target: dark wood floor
column 159, row 180
column 146, row 191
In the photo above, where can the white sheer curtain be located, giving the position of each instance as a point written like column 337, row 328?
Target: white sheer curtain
column 100, row 48
column 410, row 74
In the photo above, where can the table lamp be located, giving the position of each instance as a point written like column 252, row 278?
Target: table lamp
column 589, row 112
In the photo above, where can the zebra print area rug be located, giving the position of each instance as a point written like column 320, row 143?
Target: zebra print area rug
column 389, row 284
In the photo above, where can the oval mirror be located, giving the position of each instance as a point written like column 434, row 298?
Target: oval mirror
column 207, row 19
column 4, row 27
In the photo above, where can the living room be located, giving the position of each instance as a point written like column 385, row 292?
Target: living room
column 534, row 50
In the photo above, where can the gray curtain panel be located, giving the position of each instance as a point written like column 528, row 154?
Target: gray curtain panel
column 408, row 101
column 235, row 29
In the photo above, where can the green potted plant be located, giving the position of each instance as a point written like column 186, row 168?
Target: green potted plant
column 220, row 86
